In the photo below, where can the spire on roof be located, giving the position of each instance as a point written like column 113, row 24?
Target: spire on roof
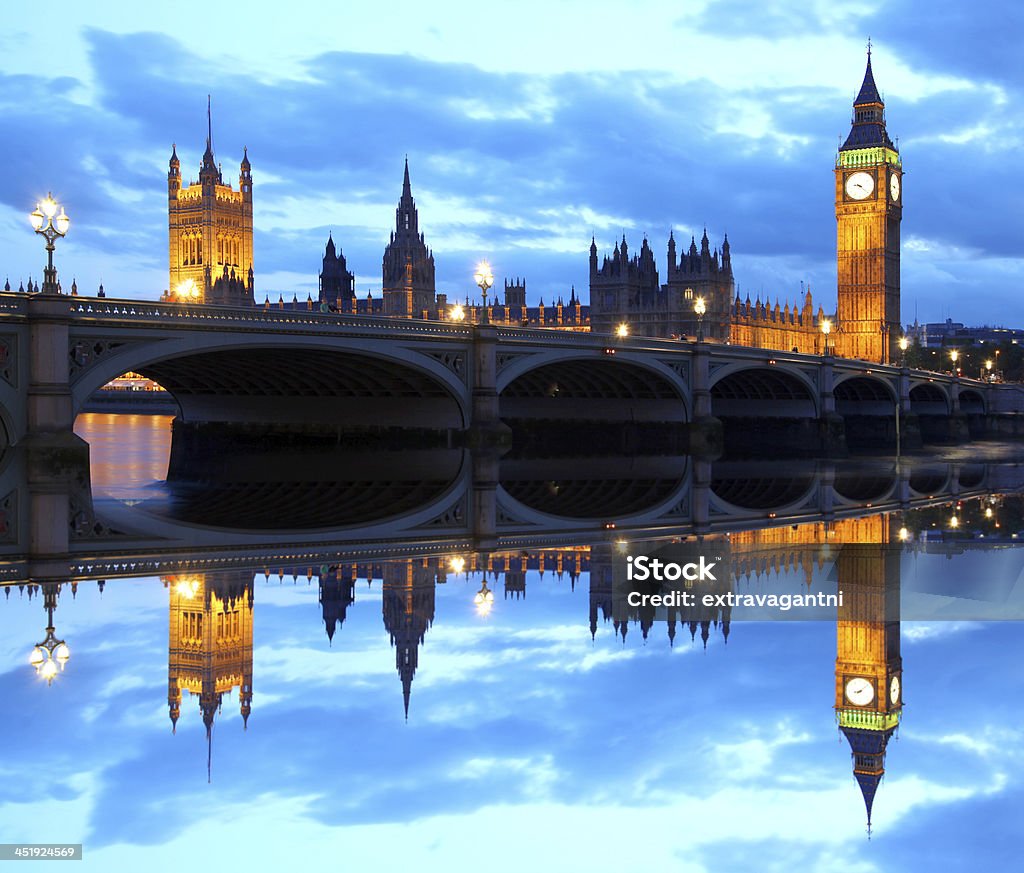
column 868, row 89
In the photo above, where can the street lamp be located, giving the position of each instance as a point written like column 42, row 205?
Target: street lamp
column 457, row 313
column 904, row 343
column 44, row 223
column 622, row 331
column 51, row 654
column 485, row 279
column 187, row 291
column 955, row 355
column 700, row 307
column 988, row 370
column 826, row 329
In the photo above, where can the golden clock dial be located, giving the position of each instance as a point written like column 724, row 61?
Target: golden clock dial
column 894, row 688
column 859, row 185
column 860, row 691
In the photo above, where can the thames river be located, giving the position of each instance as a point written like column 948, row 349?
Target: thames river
column 412, row 707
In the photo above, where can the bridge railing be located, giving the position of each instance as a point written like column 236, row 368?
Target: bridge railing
column 155, row 313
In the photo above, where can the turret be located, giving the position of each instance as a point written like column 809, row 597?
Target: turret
column 671, row 253
column 173, row 174
column 245, row 176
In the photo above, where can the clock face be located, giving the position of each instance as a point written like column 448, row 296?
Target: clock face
column 894, row 187
column 860, row 692
column 894, row 687
column 860, row 185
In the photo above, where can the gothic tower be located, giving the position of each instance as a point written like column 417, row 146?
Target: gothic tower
column 408, row 269
column 210, row 643
column 869, row 207
column 209, row 228
column 408, row 607
column 868, row 691
column 337, row 284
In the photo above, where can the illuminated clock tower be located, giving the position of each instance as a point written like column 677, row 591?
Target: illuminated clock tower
column 869, row 669
column 869, row 207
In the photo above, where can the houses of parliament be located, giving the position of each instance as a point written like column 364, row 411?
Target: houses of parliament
column 211, row 261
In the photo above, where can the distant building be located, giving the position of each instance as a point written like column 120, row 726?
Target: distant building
column 210, row 233
column 936, row 334
column 628, row 290
column 337, row 284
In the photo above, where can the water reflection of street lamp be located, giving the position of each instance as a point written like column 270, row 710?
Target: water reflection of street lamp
column 700, row 307
column 622, row 331
column 485, row 279
column 484, row 599
column 988, row 370
column 457, row 564
column 54, row 227
column 826, row 329
column 51, row 654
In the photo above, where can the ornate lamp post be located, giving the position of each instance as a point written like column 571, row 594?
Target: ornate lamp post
column 904, row 343
column 700, row 307
column 485, row 279
column 51, row 654
column 826, row 329
column 988, row 370
column 955, row 355
column 46, row 225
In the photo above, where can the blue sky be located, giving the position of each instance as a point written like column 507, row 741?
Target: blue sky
column 527, row 744
column 528, row 127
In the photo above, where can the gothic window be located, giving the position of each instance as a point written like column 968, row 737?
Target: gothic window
column 406, row 220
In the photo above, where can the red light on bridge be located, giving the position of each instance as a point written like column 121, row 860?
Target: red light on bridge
column 609, row 351
column 609, row 525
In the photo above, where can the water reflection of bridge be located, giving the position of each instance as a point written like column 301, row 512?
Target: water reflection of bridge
column 437, row 501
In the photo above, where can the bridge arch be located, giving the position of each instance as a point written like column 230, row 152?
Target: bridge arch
column 743, row 391
column 651, row 488
column 738, row 494
column 864, row 394
column 929, row 398
column 972, row 402
column 277, row 379
column 592, row 385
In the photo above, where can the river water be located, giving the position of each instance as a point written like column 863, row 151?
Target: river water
column 449, row 711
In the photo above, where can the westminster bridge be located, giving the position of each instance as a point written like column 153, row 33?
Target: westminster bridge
column 311, row 369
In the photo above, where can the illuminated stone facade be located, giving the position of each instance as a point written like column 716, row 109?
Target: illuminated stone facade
column 209, row 227
column 869, row 208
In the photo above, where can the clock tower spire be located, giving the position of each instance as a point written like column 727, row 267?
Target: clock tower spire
column 869, row 208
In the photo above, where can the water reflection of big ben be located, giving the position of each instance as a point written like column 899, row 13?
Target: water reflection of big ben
column 210, row 642
column 868, row 693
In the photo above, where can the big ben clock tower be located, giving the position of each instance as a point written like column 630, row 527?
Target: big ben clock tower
column 869, row 207
column 869, row 668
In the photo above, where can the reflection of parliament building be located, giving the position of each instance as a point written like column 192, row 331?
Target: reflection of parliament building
column 210, row 642
column 210, row 652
